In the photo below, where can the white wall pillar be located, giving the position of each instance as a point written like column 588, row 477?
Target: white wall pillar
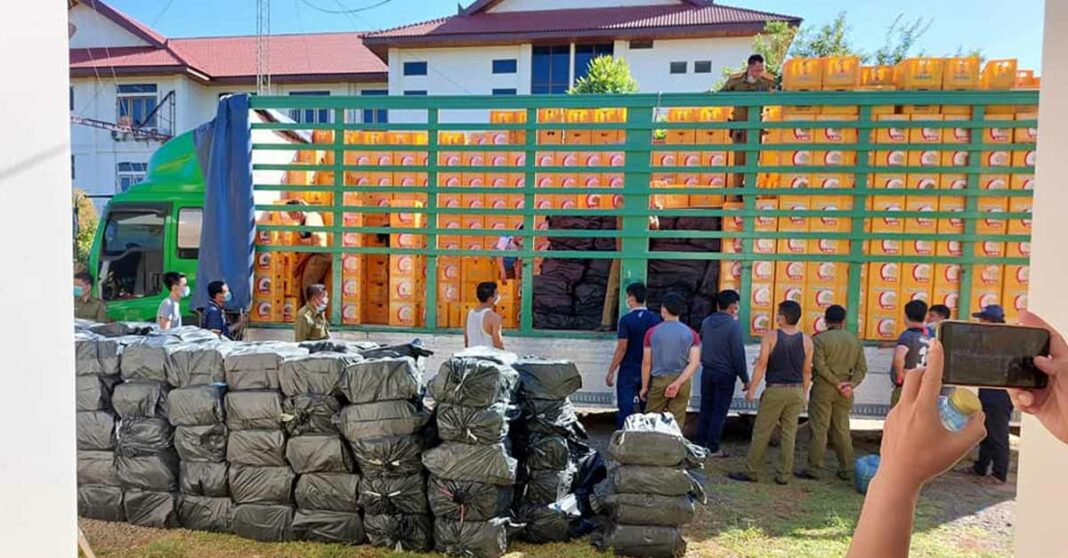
column 1042, row 494
column 571, row 67
column 37, row 478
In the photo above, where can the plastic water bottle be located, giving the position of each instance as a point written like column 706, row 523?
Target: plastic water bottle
column 957, row 409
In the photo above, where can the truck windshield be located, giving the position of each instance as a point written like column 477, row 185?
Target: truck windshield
column 131, row 264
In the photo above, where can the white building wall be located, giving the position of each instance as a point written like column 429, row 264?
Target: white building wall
column 95, row 30
column 531, row 5
column 652, row 67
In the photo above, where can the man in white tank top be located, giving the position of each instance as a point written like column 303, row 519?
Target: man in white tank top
column 483, row 324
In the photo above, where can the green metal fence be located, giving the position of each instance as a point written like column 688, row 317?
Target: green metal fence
column 441, row 114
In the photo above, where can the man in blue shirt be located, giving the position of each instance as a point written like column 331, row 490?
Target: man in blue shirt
column 722, row 365
column 628, row 357
column 909, row 346
column 214, row 315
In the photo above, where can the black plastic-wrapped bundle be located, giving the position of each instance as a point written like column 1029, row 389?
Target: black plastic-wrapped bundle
column 319, row 453
column 551, row 417
column 389, row 455
column 414, row 350
column 200, row 405
column 645, row 541
column 589, row 300
column 328, row 526
column 100, row 502
column 140, row 399
column 663, row 481
column 393, row 495
column 542, row 378
column 201, row 443
column 650, row 509
column 87, row 355
column 474, row 539
column 261, row 485
column 478, row 381
column 147, row 360
column 257, row 365
column 468, row 501
column 411, row 533
column 253, row 409
column 310, row 414
column 570, row 271
column 337, row 346
column 490, row 464
column 472, row 425
column 557, row 522
column 553, row 320
column 552, row 295
column 386, row 418
column 157, row 472
column 264, row 523
column 194, row 364
column 93, row 393
column 328, row 491
column 95, row 430
column 544, row 451
column 151, row 509
column 318, row 373
column 144, row 436
column 543, row 487
column 200, row 478
column 201, row 513
column 124, row 329
column 654, row 440
column 97, row 468
column 381, row 379
column 257, row 448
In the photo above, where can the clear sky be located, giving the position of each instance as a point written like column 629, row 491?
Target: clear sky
column 1000, row 28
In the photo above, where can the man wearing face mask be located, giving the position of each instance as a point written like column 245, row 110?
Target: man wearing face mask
column 214, row 318
column 169, row 315
column 310, row 323
column 85, row 306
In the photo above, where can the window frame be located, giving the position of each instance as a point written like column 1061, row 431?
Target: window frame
column 415, row 93
column 698, row 64
column 505, row 66
column 596, row 50
column 415, row 68
column 311, row 116
column 132, row 172
column 134, row 98
column 375, row 116
column 550, row 85
column 673, row 67
column 187, row 251
column 505, row 91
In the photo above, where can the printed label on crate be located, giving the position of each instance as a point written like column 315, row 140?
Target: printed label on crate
column 951, row 273
column 261, row 310
column 987, row 299
column 763, row 295
column 350, row 287
column 923, row 247
column 885, row 327
column 795, row 271
column 263, row 284
column 263, row 260
column 824, row 297
column 949, row 299
column 921, row 273
column 760, row 323
column 764, row 245
column 796, row 246
column 990, row 274
column 763, row 270
column 888, row 272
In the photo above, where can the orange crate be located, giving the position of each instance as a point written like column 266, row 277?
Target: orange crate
column 877, row 77
column 999, row 74
column 802, row 74
column 919, row 73
column 960, row 73
column 841, row 72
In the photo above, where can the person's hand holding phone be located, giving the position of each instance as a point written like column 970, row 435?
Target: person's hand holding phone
column 916, row 447
column 1049, row 404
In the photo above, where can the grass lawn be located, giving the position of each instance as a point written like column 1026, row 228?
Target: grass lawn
column 957, row 518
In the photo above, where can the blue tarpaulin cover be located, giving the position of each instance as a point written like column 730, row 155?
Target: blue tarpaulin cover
column 228, row 233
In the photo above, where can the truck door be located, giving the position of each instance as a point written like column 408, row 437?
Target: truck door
column 132, row 258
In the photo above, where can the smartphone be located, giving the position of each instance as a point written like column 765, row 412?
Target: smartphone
column 992, row 355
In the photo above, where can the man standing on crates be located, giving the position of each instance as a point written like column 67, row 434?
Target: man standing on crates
column 314, row 268
column 483, row 327
column 754, row 78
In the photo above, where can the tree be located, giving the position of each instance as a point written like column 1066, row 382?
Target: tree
column 900, row 40
column 606, row 75
column 773, row 44
column 830, row 39
column 87, row 221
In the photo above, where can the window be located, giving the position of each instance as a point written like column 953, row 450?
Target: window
column 415, row 68
column 379, row 116
column 585, row 53
column 128, row 174
column 136, row 103
column 190, row 220
column 507, row 66
column 132, row 255
column 550, row 70
column 702, row 67
column 640, row 44
column 504, row 91
column 678, row 67
column 310, row 116
column 415, row 93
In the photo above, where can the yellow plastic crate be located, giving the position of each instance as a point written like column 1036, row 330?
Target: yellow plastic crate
column 919, row 73
column 999, row 74
column 802, row 74
column 1026, row 79
column 960, row 73
column 877, row 77
column 841, row 72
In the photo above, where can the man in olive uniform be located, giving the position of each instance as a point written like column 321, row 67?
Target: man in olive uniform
column 85, row 306
column 754, row 78
column 310, row 323
column 839, row 365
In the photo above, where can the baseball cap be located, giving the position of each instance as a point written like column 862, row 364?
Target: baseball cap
column 992, row 312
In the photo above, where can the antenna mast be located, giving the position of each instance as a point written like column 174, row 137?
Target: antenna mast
column 263, row 50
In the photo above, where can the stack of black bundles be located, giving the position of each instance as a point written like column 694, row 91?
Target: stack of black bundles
column 570, row 293
column 384, row 423
column 261, row 482
column 327, row 484
column 557, row 469
column 695, row 280
column 200, row 437
column 472, row 472
column 651, row 488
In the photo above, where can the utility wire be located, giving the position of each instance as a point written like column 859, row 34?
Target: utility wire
column 344, row 9
column 160, row 14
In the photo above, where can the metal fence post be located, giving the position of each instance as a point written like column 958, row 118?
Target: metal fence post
column 636, row 180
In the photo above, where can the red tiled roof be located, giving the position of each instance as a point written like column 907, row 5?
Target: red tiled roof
column 290, row 55
column 683, row 19
column 122, row 57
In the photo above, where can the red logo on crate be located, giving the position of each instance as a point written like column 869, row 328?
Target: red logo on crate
column 717, row 159
column 615, row 159
column 761, row 323
column 350, row 286
column 763, row 271
column 961, row 134
column 819, row 325
column 929, row 134
column 888, row 271
column 833, row 158
column 999, row 134
column 986, row 299
column 796, row 246
column 952, row 273
column 263, row 260
column 263, row 310
column 795, row 271
column 924, row 247
column 799, row 181
column 824, row 298
column 263, row 284
column 735, row 269
column 921, row 272
column 826, row 246
column 350, row 262
column 896, row 134
column 991, row 274
column 833, row 134
column 885, row 327
column 802, row 134
column 802, row 157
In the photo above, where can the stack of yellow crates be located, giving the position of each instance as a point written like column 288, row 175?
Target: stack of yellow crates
column 698, row 159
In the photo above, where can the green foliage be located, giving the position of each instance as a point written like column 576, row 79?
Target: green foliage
column 87, row 220
column 774, row 44
column 901, row 39
column 830, row 39
column 606, row 75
